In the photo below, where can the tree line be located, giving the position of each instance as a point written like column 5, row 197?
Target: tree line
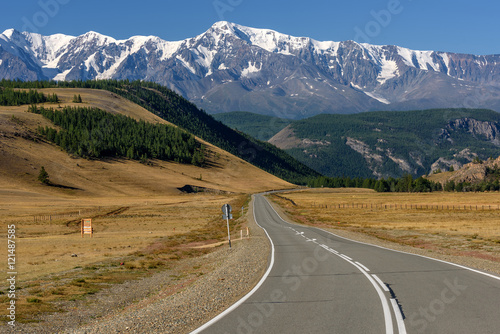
column 403, row 184
column 94, row 133
column 408, row 184
column 11, row 97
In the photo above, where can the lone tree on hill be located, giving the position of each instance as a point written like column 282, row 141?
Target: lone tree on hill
column 43, row 176
column 77, row 98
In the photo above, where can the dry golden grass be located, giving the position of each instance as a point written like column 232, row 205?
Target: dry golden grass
column 425, row 220
column 45, row 247
column 22, row 155
column 133, row 237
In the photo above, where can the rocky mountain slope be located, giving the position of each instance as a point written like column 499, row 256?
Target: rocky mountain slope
column 477, row 175
column 231, row 67
column 392, row 144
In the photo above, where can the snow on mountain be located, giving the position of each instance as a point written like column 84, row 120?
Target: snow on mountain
column 233, row 67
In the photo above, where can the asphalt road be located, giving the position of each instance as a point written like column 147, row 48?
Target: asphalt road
column 321, row 283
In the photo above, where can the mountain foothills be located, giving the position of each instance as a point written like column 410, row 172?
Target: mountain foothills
column 100, row 135
column 386, row 143
column 231, row 67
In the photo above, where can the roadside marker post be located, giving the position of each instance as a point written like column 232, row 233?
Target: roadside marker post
column 87, row 228
column 226, row 210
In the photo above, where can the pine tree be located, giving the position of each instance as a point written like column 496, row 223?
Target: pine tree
column 43, row 176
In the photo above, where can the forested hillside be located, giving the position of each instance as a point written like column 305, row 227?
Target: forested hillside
column 393, row 144
column 261, row 127
column 177, row 110
column 11, row 97
column 93, row 133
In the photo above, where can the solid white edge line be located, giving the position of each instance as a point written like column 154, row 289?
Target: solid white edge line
column 242, row 300
column 393, row 250
column 362, row 266
column 399, row 317
column 386, row 289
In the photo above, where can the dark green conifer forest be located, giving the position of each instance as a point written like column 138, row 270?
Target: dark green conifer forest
column 93, row 133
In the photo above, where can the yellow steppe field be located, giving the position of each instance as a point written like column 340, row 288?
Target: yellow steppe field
column 435, row 221
column 143, row 221
column 121, row 226
column 133, row 238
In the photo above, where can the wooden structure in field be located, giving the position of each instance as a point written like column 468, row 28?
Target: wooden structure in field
column 87, row 227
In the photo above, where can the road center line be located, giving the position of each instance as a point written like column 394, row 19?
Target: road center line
column 389, row 329
column 386, row 289
column 385, row 305
column 345, row 257
column 399, row 316
column 362, row 266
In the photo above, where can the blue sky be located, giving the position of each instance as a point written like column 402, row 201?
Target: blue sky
column 443, row 25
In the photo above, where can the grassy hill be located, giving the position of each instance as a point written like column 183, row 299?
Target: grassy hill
column 475, row 176
column 23, row 152
column 261, row 127
column 173, row 108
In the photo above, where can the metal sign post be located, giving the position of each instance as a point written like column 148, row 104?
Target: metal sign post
column 226, row 210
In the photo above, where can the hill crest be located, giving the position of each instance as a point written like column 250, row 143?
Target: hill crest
column 23, row 153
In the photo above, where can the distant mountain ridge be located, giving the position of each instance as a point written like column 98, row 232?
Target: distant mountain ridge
column 232, row 67
column 385, row 143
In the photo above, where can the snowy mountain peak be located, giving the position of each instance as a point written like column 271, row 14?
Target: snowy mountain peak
column 223, row 25
column 97, row 38
column 14, row 36
column 234, row 67
column 274, row 41
column 9, row 32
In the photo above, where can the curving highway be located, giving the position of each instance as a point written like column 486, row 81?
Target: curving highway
column 318, row 282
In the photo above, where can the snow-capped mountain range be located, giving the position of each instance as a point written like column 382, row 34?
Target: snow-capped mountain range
column 231, row 67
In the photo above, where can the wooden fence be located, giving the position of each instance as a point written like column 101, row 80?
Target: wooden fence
column 65, row 215
column 464, row 207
